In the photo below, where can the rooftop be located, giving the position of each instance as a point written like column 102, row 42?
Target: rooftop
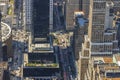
column 80, row 20
column 103, row 60
column 43, row 60
column 41, row 47
column 42, row 57
column 45, row 45
column 106, row 69
column 117, row 56
column 108, row 59
column 40, row 72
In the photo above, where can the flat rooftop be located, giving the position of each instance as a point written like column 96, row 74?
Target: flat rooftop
column 42, row 40
column 41, row 47
column 40, row 72
column 40, row 18
column 103, row 60
column 42, row 57
column 41, row 60
column 40, row 65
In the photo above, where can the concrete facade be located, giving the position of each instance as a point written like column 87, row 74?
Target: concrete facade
column 4, row 8
column 100, row 41
column 85, row 7
column 71, row 7
column 27, row 14
column 79, row 32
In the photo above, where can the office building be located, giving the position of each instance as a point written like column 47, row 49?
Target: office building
column 42, row 19
column 79, row 32
column 101, row 37
column 104, row 68
column 27, row 14
column 116, row 6
column 73, row 6
column 41, row 61
column 4, row 8
column 84, row 6
column 101, row 40
column 70, row 8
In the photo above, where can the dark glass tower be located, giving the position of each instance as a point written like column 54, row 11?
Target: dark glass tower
column 41, row 61
column 40, row 19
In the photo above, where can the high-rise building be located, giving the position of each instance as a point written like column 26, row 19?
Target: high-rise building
column 104, row 68
column 79, row 32
column 116, row 7
column 71, row 7
column 101, row 40
column 4, row 8
column 84, row 6
column 27, row 14
column 42, row 19
column 41, row 61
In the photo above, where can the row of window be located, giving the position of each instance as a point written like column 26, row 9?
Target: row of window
column 99, row 5
column 98, row 19
column 102, row 48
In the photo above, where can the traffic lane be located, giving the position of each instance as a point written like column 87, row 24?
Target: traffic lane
column 63, row 65
column 66, row 64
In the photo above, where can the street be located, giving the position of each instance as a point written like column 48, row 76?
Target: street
column 63, row 42
column 67, row 64
column 66, row 55
column 19, row 43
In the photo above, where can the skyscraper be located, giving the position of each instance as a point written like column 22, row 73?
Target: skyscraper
column 79, row 32
column 84, row 6
column 42, row 19
column 41, row 61
column 116, row 6
column 101, row 41
column 27, row 14
column 71, row 7
column 101, row 38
